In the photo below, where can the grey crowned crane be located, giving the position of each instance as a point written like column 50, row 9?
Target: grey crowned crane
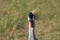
column 31, row 27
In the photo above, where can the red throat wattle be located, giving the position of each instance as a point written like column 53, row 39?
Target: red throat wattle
column 30, row 24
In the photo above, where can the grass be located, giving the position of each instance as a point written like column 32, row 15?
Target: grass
column 13, row 19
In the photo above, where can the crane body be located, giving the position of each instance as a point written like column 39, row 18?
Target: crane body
column 31, row 27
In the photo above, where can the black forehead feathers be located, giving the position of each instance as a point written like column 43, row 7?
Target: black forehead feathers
column 31, row 15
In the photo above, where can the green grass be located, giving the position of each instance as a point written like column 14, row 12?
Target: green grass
column 13, row 19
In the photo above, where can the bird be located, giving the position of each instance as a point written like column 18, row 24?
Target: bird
column 31, row 22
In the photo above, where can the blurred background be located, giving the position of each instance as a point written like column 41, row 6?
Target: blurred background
column 14, row 23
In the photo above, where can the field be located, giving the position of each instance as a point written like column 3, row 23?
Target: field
column 14, row 23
